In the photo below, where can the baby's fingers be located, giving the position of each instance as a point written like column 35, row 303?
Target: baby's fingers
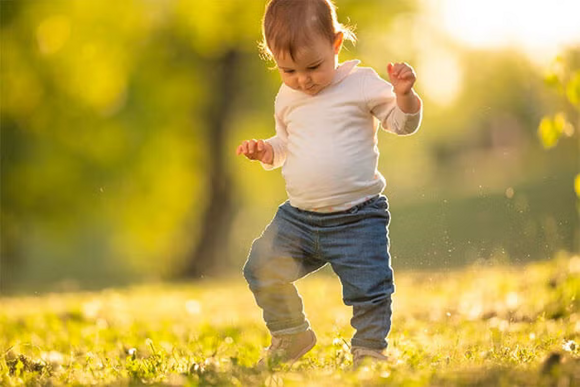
column 251, row 146
column 398, row 69
column 242, row 148
column 395, row 70
column 407, row 74
column 239, row 150
column 252, row 149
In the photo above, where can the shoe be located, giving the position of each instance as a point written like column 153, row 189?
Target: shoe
column 360, row 354
column 288, row 348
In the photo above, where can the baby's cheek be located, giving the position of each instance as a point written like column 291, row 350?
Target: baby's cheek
column 289, row 83
column 325, row 80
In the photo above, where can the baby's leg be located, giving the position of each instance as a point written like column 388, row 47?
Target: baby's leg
column 282, row 254
column 359, row 256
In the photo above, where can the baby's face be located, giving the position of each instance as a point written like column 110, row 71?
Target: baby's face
column 313, row 67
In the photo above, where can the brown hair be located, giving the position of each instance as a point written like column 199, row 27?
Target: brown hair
column 289, row 24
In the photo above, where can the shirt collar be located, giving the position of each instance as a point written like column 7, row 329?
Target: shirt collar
column 344, row 69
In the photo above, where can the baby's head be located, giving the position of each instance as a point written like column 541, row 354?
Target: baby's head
column 304, row 38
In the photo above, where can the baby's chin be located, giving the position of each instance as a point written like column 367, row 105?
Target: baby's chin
column 313, row 91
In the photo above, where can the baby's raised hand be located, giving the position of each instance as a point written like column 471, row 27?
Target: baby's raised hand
column 402, row 77
column 256, row 150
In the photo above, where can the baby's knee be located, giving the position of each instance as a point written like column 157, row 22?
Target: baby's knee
column 256, row 263
column 250, row 269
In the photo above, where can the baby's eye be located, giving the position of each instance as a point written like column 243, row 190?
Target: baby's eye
column 314, row 67
column 288, row 71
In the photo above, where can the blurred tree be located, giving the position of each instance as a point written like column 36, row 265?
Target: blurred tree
column 208, row 256
column 110, row 167
column 564, row 78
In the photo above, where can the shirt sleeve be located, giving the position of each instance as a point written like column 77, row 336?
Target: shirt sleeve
column 382, row 103
column 278, row 143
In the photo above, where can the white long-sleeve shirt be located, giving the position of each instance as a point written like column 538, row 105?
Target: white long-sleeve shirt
column 326, row 144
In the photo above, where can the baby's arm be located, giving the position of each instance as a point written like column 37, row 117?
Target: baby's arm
column 396, row 105
column 257, row 150
column 403, row 77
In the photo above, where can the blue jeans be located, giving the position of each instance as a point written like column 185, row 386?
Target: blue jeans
column 297, row 243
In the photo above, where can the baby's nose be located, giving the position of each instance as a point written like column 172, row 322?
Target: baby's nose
column 304, row 81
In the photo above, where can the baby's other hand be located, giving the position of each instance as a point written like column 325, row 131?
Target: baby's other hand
column 256, row 150
column 402, row 77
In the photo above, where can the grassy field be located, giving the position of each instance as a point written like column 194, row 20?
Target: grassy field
column 484, row 325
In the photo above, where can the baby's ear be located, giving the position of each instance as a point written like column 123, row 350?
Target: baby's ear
column 338, row 40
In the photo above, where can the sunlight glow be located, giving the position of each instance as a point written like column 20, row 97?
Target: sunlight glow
column 536, row 27
column 441, row 75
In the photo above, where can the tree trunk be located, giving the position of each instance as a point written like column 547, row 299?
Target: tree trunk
column 209, row 254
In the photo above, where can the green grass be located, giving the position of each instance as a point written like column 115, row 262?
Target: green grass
column 483, row 325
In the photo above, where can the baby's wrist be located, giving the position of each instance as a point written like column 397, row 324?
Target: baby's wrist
column 405, row 94
column 409, row 103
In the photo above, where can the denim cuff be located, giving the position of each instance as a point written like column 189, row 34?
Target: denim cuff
column 369, row 344
column 291, row 331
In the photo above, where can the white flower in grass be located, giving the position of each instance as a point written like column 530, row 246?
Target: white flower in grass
column 53, row 357
column 569, row 346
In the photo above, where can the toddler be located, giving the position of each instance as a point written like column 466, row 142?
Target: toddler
column 327, row 116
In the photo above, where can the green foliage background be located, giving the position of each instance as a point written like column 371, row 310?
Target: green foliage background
column 104, row 148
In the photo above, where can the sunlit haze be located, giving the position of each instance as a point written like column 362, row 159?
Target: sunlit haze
column 537, row 27
column 539, row 30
